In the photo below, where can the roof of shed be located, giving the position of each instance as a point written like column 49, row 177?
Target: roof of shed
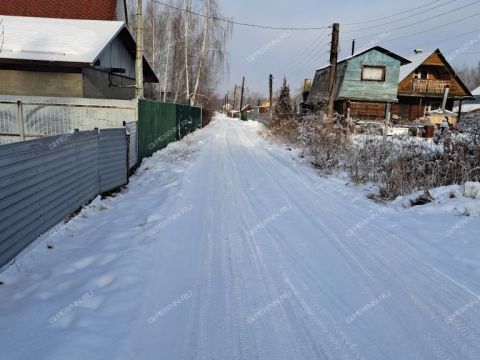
column 64, row 9
column 378, row 48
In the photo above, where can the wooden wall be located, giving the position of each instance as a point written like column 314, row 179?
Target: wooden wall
column 356, row 89
column 437, row 70
column 319, row 89
column 365, row 110
column 37, row 83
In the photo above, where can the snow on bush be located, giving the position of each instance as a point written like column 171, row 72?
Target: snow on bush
column 472, row 190
column 398, row 165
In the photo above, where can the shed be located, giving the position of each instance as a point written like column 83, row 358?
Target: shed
column 364, row 83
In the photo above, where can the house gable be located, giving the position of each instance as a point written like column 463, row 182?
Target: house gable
column 349, row 84
column 354, row 88
column 429, row 77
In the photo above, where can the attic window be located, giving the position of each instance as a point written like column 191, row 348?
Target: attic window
column 373, row 73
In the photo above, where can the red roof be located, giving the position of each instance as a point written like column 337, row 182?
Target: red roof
column 63, row 9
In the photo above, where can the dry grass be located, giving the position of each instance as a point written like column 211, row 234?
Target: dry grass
column 399, row 166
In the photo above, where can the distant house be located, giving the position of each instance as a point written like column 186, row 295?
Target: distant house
column 364, row 83
column 470, row 106
column 115, row 10
column 422, row 85
column 68, row 57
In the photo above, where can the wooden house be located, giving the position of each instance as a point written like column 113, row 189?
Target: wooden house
column 364, row 84
column 422, row 83
column 68, row 58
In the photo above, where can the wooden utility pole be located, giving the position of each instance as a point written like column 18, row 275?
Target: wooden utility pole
column 270, row 90
column 139, row 53
column 333, row 71
column 234, row 97
column 241, row 96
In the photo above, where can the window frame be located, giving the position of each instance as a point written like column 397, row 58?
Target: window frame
column 384, row 72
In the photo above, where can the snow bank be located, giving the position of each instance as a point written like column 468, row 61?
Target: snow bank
column 463, row 200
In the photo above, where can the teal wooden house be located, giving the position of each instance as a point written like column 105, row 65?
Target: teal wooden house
column 365, row 84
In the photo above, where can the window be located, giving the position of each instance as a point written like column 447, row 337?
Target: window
column 373, row 73
column 421, row 74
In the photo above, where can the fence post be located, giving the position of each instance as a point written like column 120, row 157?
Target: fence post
column 21, row 124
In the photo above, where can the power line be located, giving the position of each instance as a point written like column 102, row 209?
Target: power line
column 428, row 19
column 405, row 17
column 417, row 32
column 446, row 39
column 391, row 16
column 298, row 57
column 306, row 54
column 230, row 21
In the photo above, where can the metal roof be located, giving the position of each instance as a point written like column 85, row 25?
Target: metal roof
column 415, row 62
column 378, row 48
column 64, row 40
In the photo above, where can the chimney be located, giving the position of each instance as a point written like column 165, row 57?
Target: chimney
column 445, row 97
column 418, row 51
column 353, row 47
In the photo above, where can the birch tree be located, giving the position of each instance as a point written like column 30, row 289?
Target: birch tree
column 187, row 52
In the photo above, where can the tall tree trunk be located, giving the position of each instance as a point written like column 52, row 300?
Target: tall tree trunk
column 186, row 54
column 166, row 64
column 202, row 54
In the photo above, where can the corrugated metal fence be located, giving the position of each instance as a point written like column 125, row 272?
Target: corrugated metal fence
column 33, row 117
column 162, row 123
column 44, row 178
column 43, row 181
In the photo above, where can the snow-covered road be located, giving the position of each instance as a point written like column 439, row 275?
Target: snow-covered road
column 225, row 247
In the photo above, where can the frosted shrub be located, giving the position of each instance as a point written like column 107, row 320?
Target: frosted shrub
column 399, row 166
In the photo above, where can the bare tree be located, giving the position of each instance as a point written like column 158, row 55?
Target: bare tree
column 470, row 75
column 187, row 52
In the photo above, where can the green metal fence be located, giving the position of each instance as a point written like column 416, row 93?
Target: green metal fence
column 162, row 123
column 157, row 127
column 189, row 118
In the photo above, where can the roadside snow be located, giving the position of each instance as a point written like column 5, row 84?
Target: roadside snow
column 224, row 246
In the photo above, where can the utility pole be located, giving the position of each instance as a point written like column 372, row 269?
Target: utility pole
column 270, row 91
column 241, row 96
column 234, row 97
column 333, row 71
column 227, row 101
column 139, row 53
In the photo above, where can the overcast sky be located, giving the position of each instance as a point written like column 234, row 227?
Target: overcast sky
column 255, row 53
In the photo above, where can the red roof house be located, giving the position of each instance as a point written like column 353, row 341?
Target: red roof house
column 67, row 9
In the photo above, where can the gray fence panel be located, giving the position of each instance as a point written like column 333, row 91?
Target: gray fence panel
column 132, row 128
column 43, row 181
column 113, row 161
column 47, row 116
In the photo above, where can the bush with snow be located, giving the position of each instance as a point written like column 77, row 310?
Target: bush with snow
column 398, row 165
